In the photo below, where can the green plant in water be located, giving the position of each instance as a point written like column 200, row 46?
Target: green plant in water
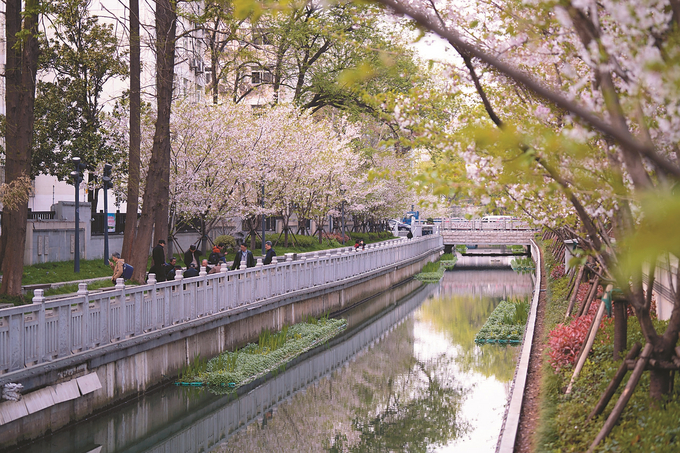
column 506, row 323
column 448, row 261
column 230, row 370
column 195, row 367
column 523, row 264
column 432, row 272
column 431, row 267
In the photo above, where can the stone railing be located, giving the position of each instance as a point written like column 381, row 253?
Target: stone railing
column 475, row 225
column 47, row 330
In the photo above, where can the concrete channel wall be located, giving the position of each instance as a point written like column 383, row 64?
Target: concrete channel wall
column 508, row 436
column 108, row 348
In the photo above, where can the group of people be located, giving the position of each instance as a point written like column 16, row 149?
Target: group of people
column 168, row 270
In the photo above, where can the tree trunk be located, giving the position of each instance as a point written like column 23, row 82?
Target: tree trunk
column 135, row 134
column 156, row 193
column 20, row 73
column 659, row 383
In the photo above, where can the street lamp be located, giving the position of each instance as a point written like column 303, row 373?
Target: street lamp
column 263, row 250
column 77, row 177
column 342, row 210
column 107, row 184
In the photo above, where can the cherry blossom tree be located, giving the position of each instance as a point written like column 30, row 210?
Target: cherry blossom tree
column 575, row 123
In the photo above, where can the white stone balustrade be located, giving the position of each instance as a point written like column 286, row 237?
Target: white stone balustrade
column 50, row 329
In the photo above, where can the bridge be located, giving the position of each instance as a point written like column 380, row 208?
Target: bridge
column 478, row 232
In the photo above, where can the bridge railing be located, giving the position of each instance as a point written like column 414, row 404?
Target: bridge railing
column 481, row 225
column 47, row 330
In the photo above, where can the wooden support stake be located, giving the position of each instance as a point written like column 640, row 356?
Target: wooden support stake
column 615, row 382
column 624, row 398
column 586, row 348
column 572, row 275
column 589, row 298
column 574, row 294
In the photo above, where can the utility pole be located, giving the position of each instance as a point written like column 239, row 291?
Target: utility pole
column 263, row 250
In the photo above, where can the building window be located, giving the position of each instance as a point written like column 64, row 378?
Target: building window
column 259, row 76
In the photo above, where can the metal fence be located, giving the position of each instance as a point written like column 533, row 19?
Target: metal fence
column 47, row 330
column 98, row 223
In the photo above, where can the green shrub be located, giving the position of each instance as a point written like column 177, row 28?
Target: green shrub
column 461, row 249
column 227, row 240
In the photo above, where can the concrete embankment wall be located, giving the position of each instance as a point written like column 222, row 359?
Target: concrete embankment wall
column 129, row 368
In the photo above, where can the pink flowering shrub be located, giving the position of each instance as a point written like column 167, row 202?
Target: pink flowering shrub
column 566, row 340
column 557, row 272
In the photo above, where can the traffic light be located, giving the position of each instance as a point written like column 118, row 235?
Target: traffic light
column 107, row 176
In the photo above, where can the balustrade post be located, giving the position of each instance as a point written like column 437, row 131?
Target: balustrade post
column 39, row 298
column 85, row 320
column 155, row 310
column 223, row 302
column 122, row 322
column 180, row 306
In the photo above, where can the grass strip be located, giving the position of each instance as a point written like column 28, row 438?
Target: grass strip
column 230, row 370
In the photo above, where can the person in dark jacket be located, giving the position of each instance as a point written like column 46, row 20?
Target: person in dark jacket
column 158, row 263
column 270, row 253
column 170, row 267
column 216, row 256
column 244, row 256
column 192, row 256
column 191, row 271
column 174, row 271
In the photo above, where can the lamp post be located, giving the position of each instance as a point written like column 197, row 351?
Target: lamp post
column 77, row 174
column 342, row 213
column 263, row 250
column 107, row 184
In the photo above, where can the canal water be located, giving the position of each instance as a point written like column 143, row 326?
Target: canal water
column 405, row 376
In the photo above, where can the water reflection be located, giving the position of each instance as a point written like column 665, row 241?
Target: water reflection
column 388, row 399
column 425, row 387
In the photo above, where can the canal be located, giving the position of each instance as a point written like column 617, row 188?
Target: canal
column 406, row 375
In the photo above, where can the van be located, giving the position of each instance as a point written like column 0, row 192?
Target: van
column 496, row 218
